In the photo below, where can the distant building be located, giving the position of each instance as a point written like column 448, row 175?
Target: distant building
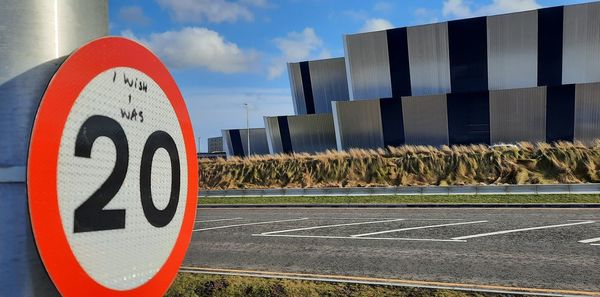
column 235, row 142
column 215, row 144
column 526, row 76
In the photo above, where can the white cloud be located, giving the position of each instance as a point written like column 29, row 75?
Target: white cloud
column 133, row 14
column 465, row 8
column 195, row 47
column 297, row 46
column 376, row 25
column 214, row 11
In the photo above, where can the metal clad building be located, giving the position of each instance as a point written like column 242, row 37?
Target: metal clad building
column 300, row 134
column 368, row 65
column 428, row 58
column 526, row 76
column 316, row 83
column 518, row 115
column 235, row 142
column 581, row 43
column 549, row 46
column 512, row 50
column 358, row 124
column 425, row 120
column 215, row 144
column 587, row 112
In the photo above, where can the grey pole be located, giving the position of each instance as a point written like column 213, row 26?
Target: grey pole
column 34, row 35
column 247, row 127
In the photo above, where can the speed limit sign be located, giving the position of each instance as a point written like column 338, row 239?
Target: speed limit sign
column 112, row 173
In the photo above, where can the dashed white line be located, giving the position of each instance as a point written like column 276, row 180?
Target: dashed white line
column 330, row 226
column 417, row 228
column 590, row 240
column 218, row 220
column 249, row 224
column 349, row 237
column 521, row 230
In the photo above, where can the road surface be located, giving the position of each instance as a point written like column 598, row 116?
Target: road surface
column 551, row 249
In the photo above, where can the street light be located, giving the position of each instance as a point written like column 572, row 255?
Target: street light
column 247, row 127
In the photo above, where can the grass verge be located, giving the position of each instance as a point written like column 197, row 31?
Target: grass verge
column 192, row 285
column 548, row 198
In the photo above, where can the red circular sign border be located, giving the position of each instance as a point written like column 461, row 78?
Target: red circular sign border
column 64, row 88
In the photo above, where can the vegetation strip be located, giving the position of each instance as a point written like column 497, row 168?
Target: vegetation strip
column 391, row 287
column 401, row 199
column 525, row 163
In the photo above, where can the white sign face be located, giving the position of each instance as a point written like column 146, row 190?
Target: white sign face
column 122, row 178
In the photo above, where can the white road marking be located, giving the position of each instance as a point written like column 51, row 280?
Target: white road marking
column 349, row 237
column 417, row 228
column 521, row 230
column 590, row 240
column 595, row 244
column 218, row 220
column 356, row 219
column 330, row 226
column 249, row 224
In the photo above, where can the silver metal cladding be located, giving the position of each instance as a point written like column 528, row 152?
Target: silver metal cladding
column 581, row 43
column 329, row 83
column 312, row 133
column 587, row 112
column 518, row 115
column 512, row 50
column 425, row 120
column 429, row 59
column 368, row 65
column 358, row 124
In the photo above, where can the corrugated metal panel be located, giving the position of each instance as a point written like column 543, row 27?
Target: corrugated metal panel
column 215, row 144
column 518, row 115
column 581, row 43
column 297, row 88
column 227, row 146
column 328, row 78
column 429, row 59
column 367, row 65
column 587, row 112
column 258, row 141
column 358, row 124
column 468, row 118
column 312, row 133
column 512, row 50
column 273, row 135
column 425, row 120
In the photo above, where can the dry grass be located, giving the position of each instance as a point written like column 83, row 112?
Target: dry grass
column 200, row 285
column 524, row 163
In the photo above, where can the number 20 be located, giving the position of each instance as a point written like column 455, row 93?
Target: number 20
column 91, row 215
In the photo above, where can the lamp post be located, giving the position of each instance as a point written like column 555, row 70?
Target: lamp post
column 247, row 127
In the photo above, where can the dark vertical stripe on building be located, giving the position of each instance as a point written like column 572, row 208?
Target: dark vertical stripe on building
column 469, row 118
column 467, row 43
column 284, row 131
column 391, row 121
column 550, row 43
column 236, row 143
column 307, row 88
column 560, row 113
column 399, row 67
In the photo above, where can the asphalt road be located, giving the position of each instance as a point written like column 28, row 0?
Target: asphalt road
column 530, row 248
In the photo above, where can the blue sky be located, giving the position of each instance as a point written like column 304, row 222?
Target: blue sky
column 223, row 53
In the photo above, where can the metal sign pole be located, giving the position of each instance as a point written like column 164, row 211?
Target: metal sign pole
column 30, row 43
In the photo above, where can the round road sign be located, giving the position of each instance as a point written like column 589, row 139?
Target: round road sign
column 112, row 173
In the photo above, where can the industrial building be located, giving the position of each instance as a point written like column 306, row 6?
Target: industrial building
column 526, row 76
column 215, row 144
column 301, row 134
column 245, row 142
